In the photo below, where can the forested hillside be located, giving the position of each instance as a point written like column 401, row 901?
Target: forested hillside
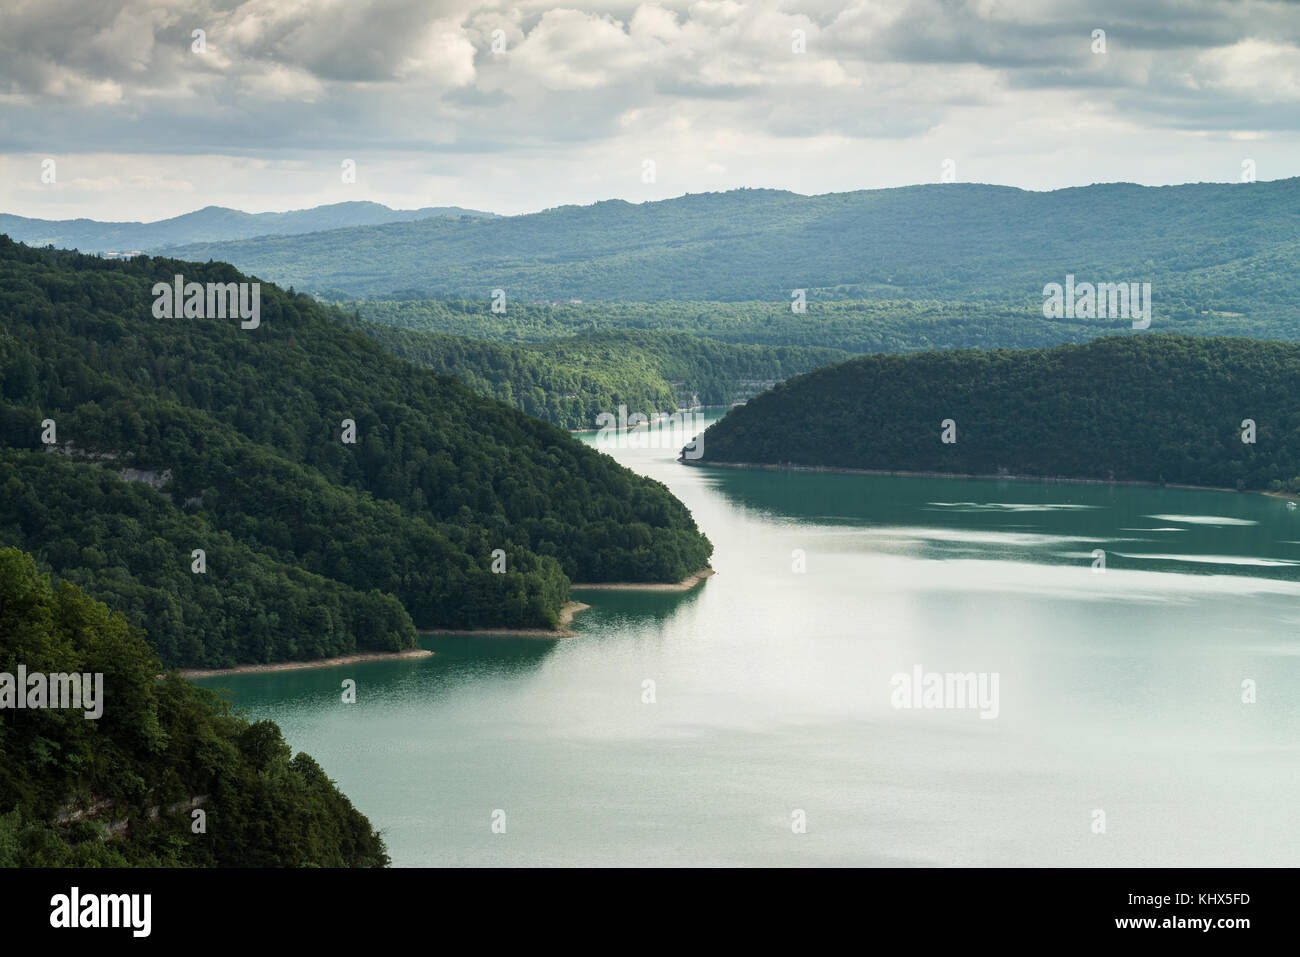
column 165, row 745
column 1205, row 246
column 856, row 326
column 571, row 381
column 1157, row 408
column 130, row 546
column 242, row 430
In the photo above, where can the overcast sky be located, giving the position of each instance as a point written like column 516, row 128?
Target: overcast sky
column 142, row 126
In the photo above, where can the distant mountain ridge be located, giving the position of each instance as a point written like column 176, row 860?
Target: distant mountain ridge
column 1203, row 246
column 210, row 224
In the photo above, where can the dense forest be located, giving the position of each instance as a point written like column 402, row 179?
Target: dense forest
column 1157, row 408
column 76, row 792
column 1203, row 247
column 571, row 381
column 854, row 326
column 242, row 433
column 132, row 547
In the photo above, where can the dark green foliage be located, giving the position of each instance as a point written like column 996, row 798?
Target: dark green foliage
column 571, row 381
column 247, row 423
column 158, row 744
column 132, row 548
column 1158, row 408
column 858, row 326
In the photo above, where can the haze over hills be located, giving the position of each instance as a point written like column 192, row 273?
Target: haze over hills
column 1205, row 246
column 210, row 224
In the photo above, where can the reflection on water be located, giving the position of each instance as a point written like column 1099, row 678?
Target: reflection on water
column 1031, row 521
column 1121, row 690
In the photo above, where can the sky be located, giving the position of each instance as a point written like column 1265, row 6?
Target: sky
column 518, row 107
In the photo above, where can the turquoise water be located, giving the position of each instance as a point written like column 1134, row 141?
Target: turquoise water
column 1119, row 691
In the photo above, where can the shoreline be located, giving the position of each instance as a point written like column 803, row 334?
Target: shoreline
column 355, row 658
column 567, row 614
column 1045, row 479
column 563, row 631
column 659, row 416
column 686, row 584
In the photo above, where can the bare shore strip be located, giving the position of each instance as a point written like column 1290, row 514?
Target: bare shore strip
column 1046, row 479
column 574, row 607
column 304, row 665
column 567, row 613
column 566, row 616
column 686, row 584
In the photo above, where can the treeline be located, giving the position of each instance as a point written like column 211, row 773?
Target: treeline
column 571, row 381
column 853, row 326
column 157, row 744
column 1158, row 408
column 249, row 424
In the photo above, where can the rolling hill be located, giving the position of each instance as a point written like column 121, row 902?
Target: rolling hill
column 208, row 225
column 1145, row 408
column 342, row 496
column 1229, row 248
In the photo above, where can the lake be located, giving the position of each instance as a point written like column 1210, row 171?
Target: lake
column 1120, row 734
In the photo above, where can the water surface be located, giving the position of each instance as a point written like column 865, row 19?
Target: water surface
column 1120, row 691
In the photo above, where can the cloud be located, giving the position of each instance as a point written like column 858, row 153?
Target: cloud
column 717, row 78
column 341, row 54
